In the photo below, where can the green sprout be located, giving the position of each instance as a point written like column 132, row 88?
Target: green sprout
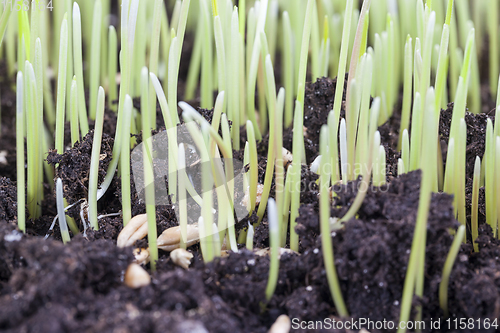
column 475, row 201
column 182, row 195
column 33, row 135
column 415, row 273
column 149, row 178
column 60, row 211
column 274, row 240
column 407, row 89
column 497, row 163
column 112, row 66
column 288, row 68
column 61, row 86
column 326, row 239
column 298, row 139
column 448, row 265
column 125, row 163
column 489, row 180
column 21, row 200
column 253, row 165
column 95, row 60
column 94, row 161
column 78, row 67
column 74, row 116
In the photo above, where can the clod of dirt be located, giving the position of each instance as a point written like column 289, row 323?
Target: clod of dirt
column 372, row 251
column 318, row 102
column 48, row 272
column 8, row 200
column 73, row 167
column 476, row 134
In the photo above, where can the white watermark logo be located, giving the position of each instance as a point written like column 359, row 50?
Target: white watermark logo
column 185, row 171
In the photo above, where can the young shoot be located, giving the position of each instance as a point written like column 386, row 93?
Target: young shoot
column 274, row 240
column 60, row 211
column 149, row 178
column 78, row 67
column 475, row 202
column 367, row 169
column 414, row 280
column 112, row 66
column 34, row 136
column 249, row 239
column 61, row 86
column 94, row 161
column 489, row 179
column 183, row 179
column 326, row 236
column 74, row 121
column 298, row 125
column 125, row 163
column 21, row 200
column 254, row 167
column 95, row 61
column 448, row 265
column 407, row 90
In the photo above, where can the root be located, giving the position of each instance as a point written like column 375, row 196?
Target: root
column 83, row 214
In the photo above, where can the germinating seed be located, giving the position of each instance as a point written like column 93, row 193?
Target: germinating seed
column 181, row 257
column 136, row 228
column 136, row 276
column 170, row 239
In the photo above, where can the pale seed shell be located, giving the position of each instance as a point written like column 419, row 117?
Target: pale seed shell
column 287, row 157
column 281, row 325
column 170, row 239
column 136, row 276
column 181, row 257
column 267, row 251
column 136, row 228
column 246, row 199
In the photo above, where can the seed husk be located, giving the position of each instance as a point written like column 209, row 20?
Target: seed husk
column 266, row 252
column 136, row 276
column 281, row 325
column 181, row 257
column 136, row 228
column 141, row 256
column 246, row 199
column 287, row 157
column 170, row 239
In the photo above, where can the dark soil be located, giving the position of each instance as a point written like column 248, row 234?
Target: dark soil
column 78, row 286
column 318, row 102
column 8, row 200
column 476, row 134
